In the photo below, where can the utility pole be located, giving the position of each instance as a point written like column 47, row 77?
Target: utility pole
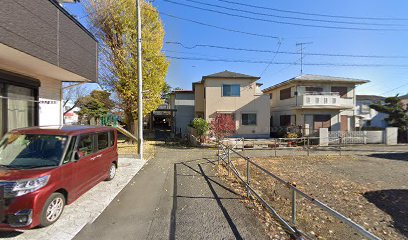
column 301, row 54
column 140, row 80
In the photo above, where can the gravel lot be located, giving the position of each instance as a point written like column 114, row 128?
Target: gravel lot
column 369, row 187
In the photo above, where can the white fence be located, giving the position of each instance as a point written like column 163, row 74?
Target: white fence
column 350, row 137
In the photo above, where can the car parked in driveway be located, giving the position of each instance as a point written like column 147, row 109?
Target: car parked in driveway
column 44, row 168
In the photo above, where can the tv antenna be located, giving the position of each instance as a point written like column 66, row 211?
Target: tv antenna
column 301, row 44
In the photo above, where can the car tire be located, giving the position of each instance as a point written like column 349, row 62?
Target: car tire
column 111, row 172
column 52, row 210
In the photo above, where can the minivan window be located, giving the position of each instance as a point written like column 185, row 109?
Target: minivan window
column 111, row 138
column 85, row 145
column 31, row 150
column 103, row 140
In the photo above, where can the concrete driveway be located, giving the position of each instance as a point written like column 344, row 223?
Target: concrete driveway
column 84, row 210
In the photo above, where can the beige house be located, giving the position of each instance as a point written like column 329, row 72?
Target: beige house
column 236, row 94
column 310, row 102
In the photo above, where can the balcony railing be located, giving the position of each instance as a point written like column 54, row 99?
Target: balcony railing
column 330, row 99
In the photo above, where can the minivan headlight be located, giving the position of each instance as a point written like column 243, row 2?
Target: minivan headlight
column 23, row 187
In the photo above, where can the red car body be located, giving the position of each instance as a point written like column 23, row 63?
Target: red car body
column 72, row 178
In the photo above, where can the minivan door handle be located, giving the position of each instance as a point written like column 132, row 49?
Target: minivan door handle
column 97, row 156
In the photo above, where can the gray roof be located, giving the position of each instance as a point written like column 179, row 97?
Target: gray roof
column 373, row 98
column 317, row 78
column 228, row 74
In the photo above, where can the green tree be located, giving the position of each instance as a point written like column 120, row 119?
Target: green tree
column 201, row 127
column 114, row 24
column 396, row 110
column 97, row 104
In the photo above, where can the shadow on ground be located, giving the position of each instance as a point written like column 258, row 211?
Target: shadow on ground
column 402, row 156
column 395, row 203
column 9, row 234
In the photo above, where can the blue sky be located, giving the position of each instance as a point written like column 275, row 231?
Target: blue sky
column 384, row 80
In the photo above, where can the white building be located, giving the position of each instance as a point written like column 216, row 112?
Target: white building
column 310, row 102
column 368, row 117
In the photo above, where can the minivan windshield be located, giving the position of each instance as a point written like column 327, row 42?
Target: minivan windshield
column 26, row 151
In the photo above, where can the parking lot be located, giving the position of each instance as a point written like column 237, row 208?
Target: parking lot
column 84, row 210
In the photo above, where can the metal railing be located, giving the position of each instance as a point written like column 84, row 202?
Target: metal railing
column 224, row 155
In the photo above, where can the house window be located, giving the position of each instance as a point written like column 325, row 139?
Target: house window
column 284, row 120
column 270, row 95
column 249, row 119
column 230, row 90
column 314, row 89
column 341, row 90
column 285, row 93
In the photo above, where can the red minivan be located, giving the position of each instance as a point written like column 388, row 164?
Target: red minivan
column 44, row 168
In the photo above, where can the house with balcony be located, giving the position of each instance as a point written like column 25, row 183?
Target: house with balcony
column 41, row 46
column 235, row 94
column 311, row 102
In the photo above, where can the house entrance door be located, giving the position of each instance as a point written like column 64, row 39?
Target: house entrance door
column 321, row 121
column 344, row 125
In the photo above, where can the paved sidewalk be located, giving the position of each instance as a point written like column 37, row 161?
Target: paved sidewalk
column 84, row 210
column 176, row 196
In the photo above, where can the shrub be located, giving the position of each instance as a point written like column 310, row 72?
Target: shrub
column 201, row 126
column 222, row 126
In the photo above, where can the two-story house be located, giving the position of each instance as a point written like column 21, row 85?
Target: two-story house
column 311, row 102
column 238, row 95
column 368, row 117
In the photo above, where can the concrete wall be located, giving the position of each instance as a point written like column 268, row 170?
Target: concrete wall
column 41, row 28
column 248, row 102
column 375, row 136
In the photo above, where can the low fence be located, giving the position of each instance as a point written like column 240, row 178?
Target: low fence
column 225, row 155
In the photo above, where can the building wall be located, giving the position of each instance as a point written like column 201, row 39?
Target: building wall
column 366, row 113
column 249, row 102
column 184, row 104
column 199, row 98
column 50, row 111
column 44, row 30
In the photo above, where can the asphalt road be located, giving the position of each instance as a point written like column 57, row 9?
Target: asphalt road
column 176, row 196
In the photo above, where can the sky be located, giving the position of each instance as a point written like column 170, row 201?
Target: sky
column 385, row 80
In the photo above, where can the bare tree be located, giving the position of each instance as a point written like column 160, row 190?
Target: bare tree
column 72, row 94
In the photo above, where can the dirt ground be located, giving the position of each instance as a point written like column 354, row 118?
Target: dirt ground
column 371, row 189
column 131, row 149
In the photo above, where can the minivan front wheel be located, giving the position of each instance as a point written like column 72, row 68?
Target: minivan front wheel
column 52, row 210
column 112, row 172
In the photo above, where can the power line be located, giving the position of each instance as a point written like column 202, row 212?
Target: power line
column 315, row 14
column 282, row 22
column 286, row 63
column 273, row 59
column 217, row 27
column 394, row 89
column 297, row 18
column 283, row 52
